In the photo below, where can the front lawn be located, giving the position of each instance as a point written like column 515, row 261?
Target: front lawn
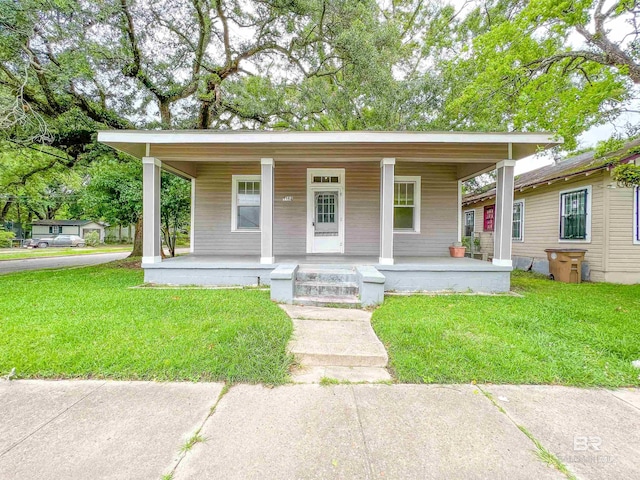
column 87, row 323
column 18, row 254
column 585, row 335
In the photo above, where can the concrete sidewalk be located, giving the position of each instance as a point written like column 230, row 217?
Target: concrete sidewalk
column 97, row 429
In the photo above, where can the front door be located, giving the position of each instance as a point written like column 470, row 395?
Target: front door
column 326, row 211
column 326, row 230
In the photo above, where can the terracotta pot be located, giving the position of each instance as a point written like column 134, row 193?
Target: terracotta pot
column 457, row 252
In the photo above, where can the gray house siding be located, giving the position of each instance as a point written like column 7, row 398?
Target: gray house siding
column 213, row 235
column 438, row 210
column 362, row 212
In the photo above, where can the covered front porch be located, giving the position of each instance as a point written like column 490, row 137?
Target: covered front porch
column 377, row 205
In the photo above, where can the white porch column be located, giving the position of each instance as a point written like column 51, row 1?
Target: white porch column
column 192, row 227
column 503, row 213
column 151, row 172
column 266, row 211
column 387, row 172
column 459, row 210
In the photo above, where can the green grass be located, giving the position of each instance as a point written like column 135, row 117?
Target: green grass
column 87, row 323
column 583, row 335
column 17, row 254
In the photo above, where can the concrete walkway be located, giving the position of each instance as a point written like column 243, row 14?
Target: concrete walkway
column 96, row 429
column 337, row 344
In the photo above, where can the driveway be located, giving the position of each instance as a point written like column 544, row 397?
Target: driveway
column 8, row 266
column 105, row 429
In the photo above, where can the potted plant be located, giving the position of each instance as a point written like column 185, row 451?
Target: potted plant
column 456, row 250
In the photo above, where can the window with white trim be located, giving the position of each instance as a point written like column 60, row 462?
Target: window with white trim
column 575, row 214
column 54, row 229
column 636, row 215
column 406, row 205
column 245, row 211
column 469, row 222
column 517, row 228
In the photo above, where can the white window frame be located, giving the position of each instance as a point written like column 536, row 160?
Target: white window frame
column 417, row 195
column 55, row 229
column 464, row 219
column 234, row 202
column 521, row 239
column 636, row 210
column 588, row 223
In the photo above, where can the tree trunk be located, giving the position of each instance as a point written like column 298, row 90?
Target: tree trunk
column 5, row 209
column 137, row 239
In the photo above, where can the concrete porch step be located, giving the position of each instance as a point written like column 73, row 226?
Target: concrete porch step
column 314, row 273
column 346, row 301
column 337, row 343
column 325, row 289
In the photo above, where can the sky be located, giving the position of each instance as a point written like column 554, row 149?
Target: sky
column 588, row 139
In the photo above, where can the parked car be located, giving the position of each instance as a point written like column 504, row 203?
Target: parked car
column 56, row 241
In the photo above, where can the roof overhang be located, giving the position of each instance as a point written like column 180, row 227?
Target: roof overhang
column 177, row 147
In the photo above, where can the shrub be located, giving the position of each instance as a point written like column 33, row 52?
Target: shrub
column 92, row 239
column 5, row 238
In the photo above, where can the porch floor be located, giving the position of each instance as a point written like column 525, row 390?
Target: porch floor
column 441, row 264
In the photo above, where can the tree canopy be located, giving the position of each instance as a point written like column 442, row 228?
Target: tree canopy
column 69, row 68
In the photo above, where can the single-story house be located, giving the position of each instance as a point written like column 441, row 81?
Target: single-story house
column 574, row 203
column 40, row 228
column 342, row 216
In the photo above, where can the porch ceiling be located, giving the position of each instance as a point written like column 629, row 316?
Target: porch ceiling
column 449, row 147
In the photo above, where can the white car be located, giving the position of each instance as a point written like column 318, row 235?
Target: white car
column 57, row 241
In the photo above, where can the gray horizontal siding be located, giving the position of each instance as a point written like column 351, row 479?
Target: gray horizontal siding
column 213, row 233
column 362, row 208
column 438, row 207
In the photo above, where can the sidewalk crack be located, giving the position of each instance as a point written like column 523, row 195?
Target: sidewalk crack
column 58, row 415
column 367, row 453
column 196, row 437
column 544, row 454
column 612, row 393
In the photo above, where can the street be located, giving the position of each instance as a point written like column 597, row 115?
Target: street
column 9, row 266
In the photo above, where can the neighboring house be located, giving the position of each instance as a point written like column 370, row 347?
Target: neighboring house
column 572, row 204
column 381, row 207
column 40, row 228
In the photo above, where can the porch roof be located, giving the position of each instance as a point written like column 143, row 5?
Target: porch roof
column 208, row 145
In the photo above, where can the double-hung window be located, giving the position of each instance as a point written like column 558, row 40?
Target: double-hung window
column 469, row 222
column 636, row 215
column 517, row 228
column 406, row 205
column 245, row 211
column 575, row 214
column 54, row 229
